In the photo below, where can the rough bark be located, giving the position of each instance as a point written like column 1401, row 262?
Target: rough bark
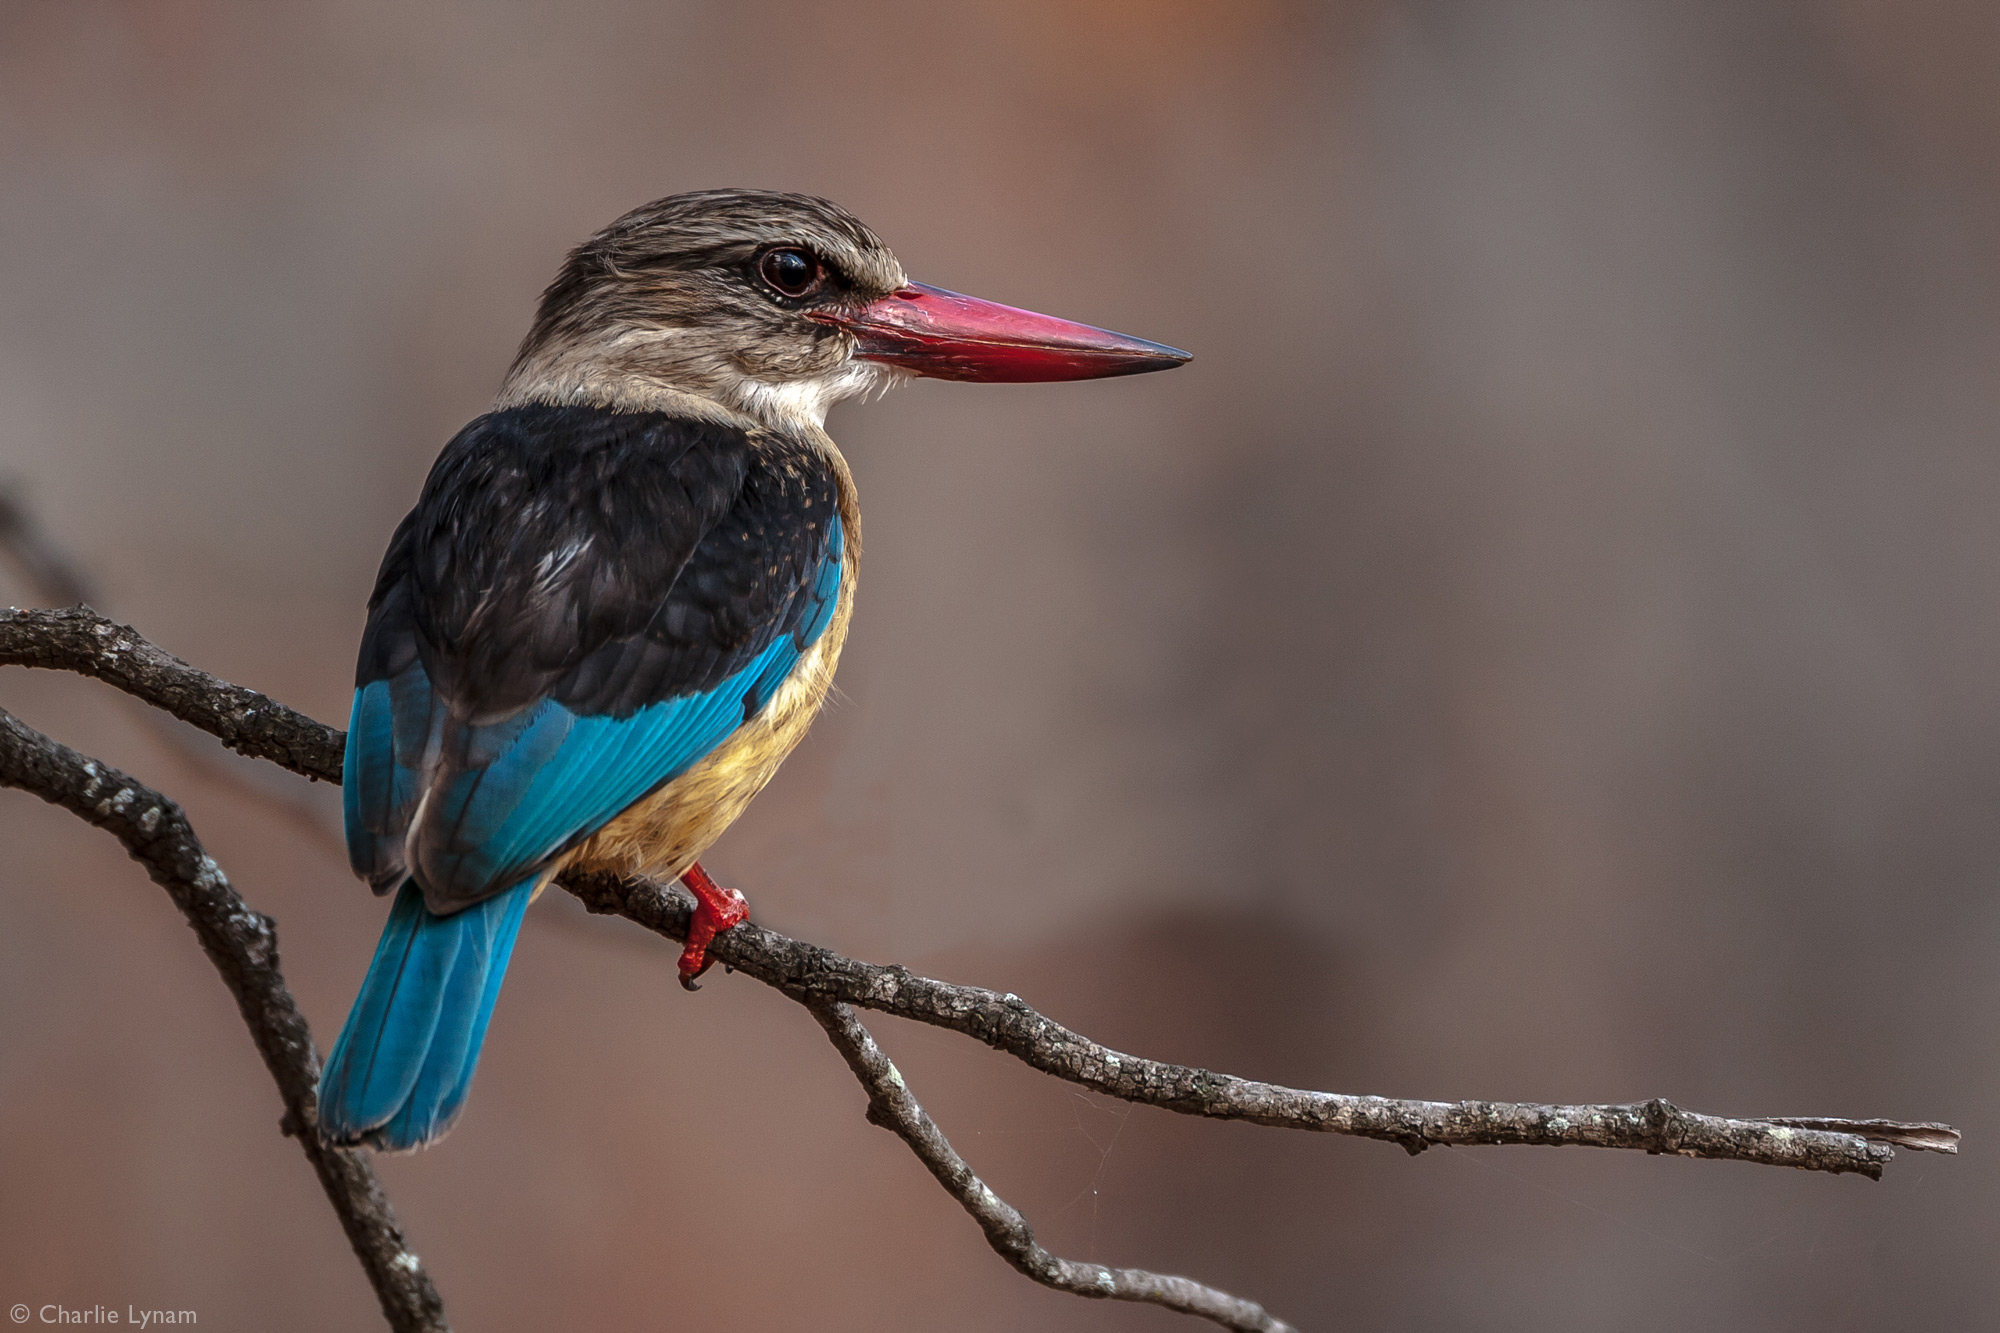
column 828, row 984
column 243, row 945
column 892, row 1106
column 78, row 639
column 811, row 974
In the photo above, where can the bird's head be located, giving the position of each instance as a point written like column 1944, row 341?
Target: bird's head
column 777, row 306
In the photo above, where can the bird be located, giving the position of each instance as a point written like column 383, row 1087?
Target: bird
column 619, row 599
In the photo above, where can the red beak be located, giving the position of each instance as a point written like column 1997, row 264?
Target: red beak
column 950, row 337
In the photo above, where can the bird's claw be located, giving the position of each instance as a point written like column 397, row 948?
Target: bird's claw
column 716, row 910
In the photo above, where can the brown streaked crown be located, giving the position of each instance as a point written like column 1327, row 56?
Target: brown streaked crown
column 676, row 294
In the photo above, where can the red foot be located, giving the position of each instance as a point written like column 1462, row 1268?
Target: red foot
column 716, row 910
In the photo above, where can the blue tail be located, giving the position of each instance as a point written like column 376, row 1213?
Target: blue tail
column 400, row 1071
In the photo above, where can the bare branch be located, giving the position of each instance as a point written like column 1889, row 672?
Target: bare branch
column 78, row 639
column 58, row 579
column 828, row 983
column 48, row 567
column 82, row 641
column 892, row 1106
column 243, row 945
column 812, row 974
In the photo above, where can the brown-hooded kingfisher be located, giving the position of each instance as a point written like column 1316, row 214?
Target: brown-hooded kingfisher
column 619, row 600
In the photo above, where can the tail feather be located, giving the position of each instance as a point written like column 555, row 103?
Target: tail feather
column 400, row 1070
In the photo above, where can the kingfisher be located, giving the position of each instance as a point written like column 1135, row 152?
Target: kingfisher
column 619, row 600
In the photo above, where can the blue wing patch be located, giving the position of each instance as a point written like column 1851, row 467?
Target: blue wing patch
column 519, row 790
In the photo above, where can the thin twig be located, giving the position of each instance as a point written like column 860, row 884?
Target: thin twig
column 243, row 945
column 57, row 578
column 49, row 569
column 892, row 1106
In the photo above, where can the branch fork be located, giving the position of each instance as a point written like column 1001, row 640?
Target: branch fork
column 243, row 945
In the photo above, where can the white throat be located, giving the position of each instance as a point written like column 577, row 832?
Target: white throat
column 805, row 402
column 600, row 377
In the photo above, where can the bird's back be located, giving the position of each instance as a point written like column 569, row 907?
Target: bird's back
column 585, row 608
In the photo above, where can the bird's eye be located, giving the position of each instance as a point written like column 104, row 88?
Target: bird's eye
column 792, row 273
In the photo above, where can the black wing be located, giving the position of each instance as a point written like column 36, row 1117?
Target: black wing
column 565, row 569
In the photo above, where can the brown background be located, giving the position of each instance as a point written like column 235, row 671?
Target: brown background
column 1543, row 647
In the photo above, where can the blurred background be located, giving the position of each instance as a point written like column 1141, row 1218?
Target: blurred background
column 1542, row 648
